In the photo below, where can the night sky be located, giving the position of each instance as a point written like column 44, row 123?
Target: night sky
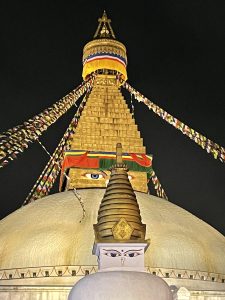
column 175, row 58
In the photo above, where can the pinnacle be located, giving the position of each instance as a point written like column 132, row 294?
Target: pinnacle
column 104, row 29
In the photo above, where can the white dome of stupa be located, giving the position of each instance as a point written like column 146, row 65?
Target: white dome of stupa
column 120, row 285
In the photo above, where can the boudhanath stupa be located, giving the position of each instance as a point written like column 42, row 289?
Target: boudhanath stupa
column 103, row 231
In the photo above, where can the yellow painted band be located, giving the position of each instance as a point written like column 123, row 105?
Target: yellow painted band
column 105, row 63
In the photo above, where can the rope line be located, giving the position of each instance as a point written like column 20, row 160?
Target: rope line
column 78, row 196
column 45, row 149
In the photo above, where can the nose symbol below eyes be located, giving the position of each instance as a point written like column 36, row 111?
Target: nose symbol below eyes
column 122, row 260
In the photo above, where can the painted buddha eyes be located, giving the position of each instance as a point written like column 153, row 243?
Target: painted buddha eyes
column 132, row 253
column 94, row 176
column 129, row 253
column 112, row 253
column 97, row 176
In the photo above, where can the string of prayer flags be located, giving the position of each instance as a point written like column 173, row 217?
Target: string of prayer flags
column 46, row 180
column 216, row 150
column 157, row 186
column 15, row 140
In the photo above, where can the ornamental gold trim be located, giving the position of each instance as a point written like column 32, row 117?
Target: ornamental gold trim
column 122, row 230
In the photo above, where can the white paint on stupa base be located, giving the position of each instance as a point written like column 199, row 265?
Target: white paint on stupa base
column 120, row 285
column 35, row 293
column 182, row 294
column 59, row 292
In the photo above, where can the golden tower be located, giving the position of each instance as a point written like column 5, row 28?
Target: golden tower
column 105, row 120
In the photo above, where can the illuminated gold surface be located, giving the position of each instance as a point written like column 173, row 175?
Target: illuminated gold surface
column 122, row 230
column 108, row 45
column 104, row 28
column 104, row 42
column 119, row 215
column 79, row 179
column 119, row 153
column 105, row 121
column 104, row 46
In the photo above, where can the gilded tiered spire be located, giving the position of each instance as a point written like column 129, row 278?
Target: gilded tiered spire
column 119, row 216
column 106, row 119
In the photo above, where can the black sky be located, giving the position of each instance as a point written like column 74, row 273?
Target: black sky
column 175, row 58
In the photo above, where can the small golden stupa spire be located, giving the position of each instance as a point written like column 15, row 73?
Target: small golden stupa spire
column 104, row 29
column 119, row 218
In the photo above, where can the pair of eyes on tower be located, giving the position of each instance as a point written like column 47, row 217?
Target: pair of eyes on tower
column 116, row 253
column 97, row 176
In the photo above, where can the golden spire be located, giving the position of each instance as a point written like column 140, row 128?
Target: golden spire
column 104, row 29
column 119, row 216
column 106, row 118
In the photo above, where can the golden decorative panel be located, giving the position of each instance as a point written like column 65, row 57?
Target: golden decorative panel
column 122, row 230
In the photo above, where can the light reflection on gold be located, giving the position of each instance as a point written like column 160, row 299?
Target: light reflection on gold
column 79, row 180
column 105, row 121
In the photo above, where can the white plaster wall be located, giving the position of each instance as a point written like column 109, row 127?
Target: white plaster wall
column 61, row 293
column 207, row 295
column 121, row 285
column 196, row 285
column 34, row 293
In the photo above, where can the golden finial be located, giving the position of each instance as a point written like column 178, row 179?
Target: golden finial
column 104, row 29
column 104, row 18
column 119, row 159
